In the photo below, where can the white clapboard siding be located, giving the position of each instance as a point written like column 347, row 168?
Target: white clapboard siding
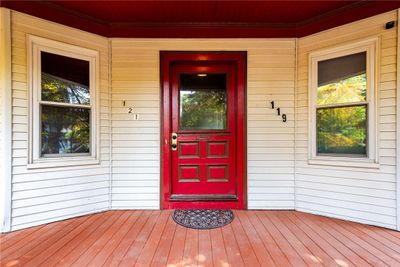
column 136, row 144
column 2, row 126
column 362, row 195
column 45, row 195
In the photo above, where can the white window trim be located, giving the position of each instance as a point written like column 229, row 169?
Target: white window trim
column 371, row 47
column 35, row 46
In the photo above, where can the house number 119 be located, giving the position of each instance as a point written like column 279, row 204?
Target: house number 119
column 284, row 118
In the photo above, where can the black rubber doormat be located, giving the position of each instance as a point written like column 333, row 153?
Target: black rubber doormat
column 203, row 219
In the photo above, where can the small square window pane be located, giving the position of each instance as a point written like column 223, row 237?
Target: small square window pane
column 64, row 79
column 342, row 130
column 65, row 130
column 342, row 80
column 202, row 102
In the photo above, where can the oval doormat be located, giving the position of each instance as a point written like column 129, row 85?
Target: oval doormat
column 203, row 219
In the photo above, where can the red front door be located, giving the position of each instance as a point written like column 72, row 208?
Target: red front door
column 203, row 136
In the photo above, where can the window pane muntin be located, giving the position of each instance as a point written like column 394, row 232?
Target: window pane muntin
column 342, row 79
column 65, row 130
column 342, row 131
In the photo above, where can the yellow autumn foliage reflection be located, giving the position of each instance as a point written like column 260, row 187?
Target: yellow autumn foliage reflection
column 343, row 129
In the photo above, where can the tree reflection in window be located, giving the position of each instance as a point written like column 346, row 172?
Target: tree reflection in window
column 56, row 89
column 342, row 106
column 203, row 109
column 342, row 130
column 65, row 105
column 202, row 101
column 65, row 130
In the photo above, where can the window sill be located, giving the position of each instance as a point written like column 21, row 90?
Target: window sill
column 62, row 162
column 344, row 162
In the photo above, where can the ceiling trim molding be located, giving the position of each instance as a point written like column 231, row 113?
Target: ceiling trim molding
column 64, row 15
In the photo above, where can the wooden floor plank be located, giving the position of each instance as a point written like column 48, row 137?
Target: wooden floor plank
column 45, row 250
column 254, row 238
column 7, row 240
column 161, row 255
column 205, row 249
column 220, row 259
column 136, row 248
column 294, row 241
column 191, row 248
column 391, row 247
column 85, row 244
column 146, row 256
column 371, row 245
column 176, row 253
column 107, row 250
column 383, row 233
column 356, row 256
column 319, row 238
column 76, row 241
column 362, row 248
column 262, row 253
column 246, row 251
column 292, row 255
column 277, row 255
column 231, row 246
column 19, row 250
column 317, row 253
column 118, row 254
column 102, row 240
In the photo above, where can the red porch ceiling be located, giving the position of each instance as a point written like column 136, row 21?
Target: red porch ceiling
column 209, row 18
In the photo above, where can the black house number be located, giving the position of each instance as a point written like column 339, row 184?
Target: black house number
column 284, row 117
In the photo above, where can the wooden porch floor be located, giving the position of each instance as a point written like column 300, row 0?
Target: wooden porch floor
column 151, row 238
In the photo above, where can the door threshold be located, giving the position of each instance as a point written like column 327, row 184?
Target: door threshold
column 188, row 197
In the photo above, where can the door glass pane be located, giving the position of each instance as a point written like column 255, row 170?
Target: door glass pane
column 65, row 79
column 342, row 130
column 65, row 130
column 342, row 80
column 202, row 102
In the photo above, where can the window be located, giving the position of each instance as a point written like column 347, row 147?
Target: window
column 202, row 102
column 63, row 111
column 342, row 103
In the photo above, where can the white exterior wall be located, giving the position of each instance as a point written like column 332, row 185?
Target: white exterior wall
column 136, row 144
column 50, row 194
column 5, row 119
column 279, row 176
column 357, row 194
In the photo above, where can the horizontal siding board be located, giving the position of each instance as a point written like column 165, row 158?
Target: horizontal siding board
column 50, row 206
column 136, row 144
column 66, row 196
column 358, row 194
column 38, row 218
column 46, row 195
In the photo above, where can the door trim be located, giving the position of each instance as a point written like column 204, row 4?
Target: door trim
column 169, row 58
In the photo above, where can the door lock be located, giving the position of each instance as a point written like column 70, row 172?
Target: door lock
column 174, row 141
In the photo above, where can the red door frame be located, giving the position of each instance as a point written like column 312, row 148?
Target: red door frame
column 169, row 58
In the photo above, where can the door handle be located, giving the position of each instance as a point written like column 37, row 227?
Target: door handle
column 174, row 141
